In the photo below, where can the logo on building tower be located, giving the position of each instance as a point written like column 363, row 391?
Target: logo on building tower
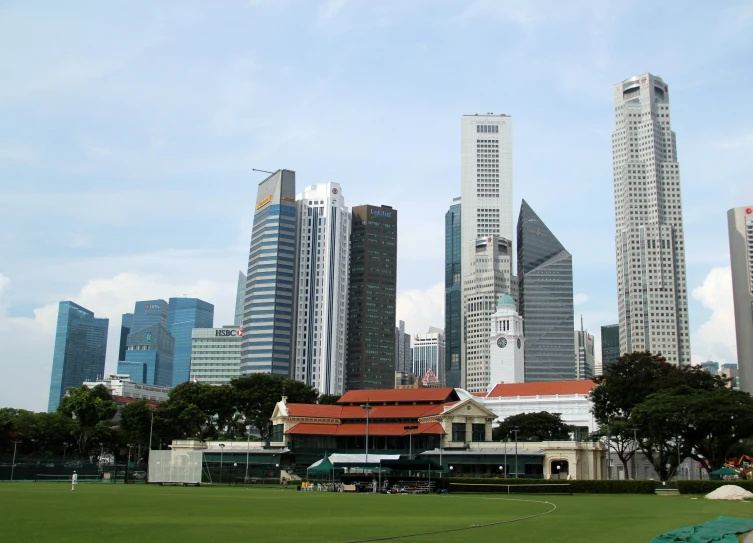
column 334, row 191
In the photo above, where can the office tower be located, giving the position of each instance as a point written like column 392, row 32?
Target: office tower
column 215, row 354
column 402, row 348
column 268, row 310
column 453, row 299
column 149, row 312
column 651, row 283
column 126, row 322
column 240, row 299
column 371, row 298
column 545, row 290
column 585, row 361
column 610, row 344
column 428, row 354
column 711, row 367
column 732, row 372
column 184, row 315
column 740, row 223
column 149, row 356
column 79, row 355
column 489, row 277
column 506, row 344
column 322, row 291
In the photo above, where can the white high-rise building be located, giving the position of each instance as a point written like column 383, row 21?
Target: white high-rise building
column 506, row 344
column 489, row 277
column 429, row 353
column 585, row 356
column 740, row 222
column 321, row 319
column 651, row 282
column 216, row 354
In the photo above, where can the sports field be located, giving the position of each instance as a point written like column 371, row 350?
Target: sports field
column 116, row 512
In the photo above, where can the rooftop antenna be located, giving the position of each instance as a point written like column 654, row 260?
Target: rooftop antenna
column 265, row 171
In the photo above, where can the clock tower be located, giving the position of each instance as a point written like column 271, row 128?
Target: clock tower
column 506, row 344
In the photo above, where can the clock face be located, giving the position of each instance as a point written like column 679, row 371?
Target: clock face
column 502, row 342
column 518, row 343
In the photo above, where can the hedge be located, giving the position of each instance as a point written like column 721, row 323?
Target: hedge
column 704, row 487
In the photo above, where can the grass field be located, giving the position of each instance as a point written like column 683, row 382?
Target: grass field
column 114, row 513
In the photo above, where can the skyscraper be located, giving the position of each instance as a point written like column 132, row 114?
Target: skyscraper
column 585, row 361
column 322, row 291
column 489, row 277
column 149, row 356
column 268, row 311
column 610, row 344
column 79, row 355
column 740, row 223
column 545, row 290
column 216, row 354
column 402, row 349
column 126, row 322
column 651, row 283
column 371, row 298
column 184, row 315
column 149, row 312
column 240, row 299
column 428, row 353
column 453, row 300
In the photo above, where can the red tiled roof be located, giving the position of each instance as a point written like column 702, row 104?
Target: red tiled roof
column 405, row 395
column 550, row 388
column 314, row 410
column 378, row 429
column 124, row 400
column 356, row 412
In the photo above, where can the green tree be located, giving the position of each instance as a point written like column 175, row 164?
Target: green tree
column 89, row 406
column 328, row 399
column 136, row 422
column 541, row 426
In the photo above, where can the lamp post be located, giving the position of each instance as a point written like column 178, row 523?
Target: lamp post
column 501, row 469
column 366, row 407
column 410, row 439
column 516, row 429
column 151, row 427
column 65, row 446
column 452, row 468
column 13, row 466
column 222, row 450
column 248, row 448
column 634, row 428
column 505, row 457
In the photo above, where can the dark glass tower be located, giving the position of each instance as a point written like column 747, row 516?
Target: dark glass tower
column 545, row 279
column 610, row 344
column 184, row 315
column 268, row 310
column 453, row 290
column 149, row 356
column 80, row 345
column 126, row 323
column 371, row 298
column 149, row 312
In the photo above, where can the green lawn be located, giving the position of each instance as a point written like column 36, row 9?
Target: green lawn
column 116, row 512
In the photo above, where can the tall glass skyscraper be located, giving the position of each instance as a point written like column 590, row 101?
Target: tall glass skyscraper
column 545, row 282
column 184, row 315
column 149, row 312
column 240, row 299
column 268, row 311
column 149, row 356
column 453, row 289
column 80, row 345
column 126, row 323
column 610, row 344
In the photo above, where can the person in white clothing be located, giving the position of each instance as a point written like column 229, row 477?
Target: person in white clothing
column 74, row 480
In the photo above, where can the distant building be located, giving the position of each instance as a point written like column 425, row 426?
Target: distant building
column 240, row 299
column 711, row 367
column 731, row 372
column 402, row 348
column 122, row 386
column 610, row 344
column 126, row 322
column 184, row 315
column 79, row 355
column 545, row 283
column 406, row 380
column 216, row 354
column 453, row 289
column 149, row 312
column 428, row 354
column 740, row 226
column 149, row 356
column 506, row 344
column 372, row 298
column 585, row 359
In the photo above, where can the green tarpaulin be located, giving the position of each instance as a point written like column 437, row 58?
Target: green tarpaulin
column 722, row 530
column 325, row 467
column 724, row 471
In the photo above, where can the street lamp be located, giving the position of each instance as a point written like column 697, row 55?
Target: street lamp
column 13, row 466
column 452, row 468
column 65, row 446
column 222, row 450
column 248, row 449
column 366, row 407
column 410, row 439
column 634, row 428
column 506, row 457
column 501, row 468
column 516, row 429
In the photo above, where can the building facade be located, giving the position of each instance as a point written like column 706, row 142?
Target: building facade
column 216, row 354
column 585, row 359
column 489, row 277
column 371, row 298
column 545, row 291
column 506, row 344
column 149, row 356
column 428, row 354
column 651, row 283
column 122, row 386
column 268, row 309
column 711, row 367
column 240, row 299
column 610, row 344
column 740, row 224
column 453, row 289
column 126, row 322
column 79, row 355
column 184, row 315
column 402, row 348
column 149, row 312
column 322, row 268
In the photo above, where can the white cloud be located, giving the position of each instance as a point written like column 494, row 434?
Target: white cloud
column 715, row 338
column 580, row 298
column 421, row 309
column 4, row 282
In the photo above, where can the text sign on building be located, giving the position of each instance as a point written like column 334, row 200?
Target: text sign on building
column 151, row 306
column 264, row 201
column 228, row 332
column 381, row 213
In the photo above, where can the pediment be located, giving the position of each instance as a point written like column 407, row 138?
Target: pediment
column 470, row 408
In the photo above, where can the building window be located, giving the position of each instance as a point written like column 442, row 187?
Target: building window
column 478, row 432
column 458, row 431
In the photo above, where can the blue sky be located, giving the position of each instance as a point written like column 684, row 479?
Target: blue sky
column 129, row 131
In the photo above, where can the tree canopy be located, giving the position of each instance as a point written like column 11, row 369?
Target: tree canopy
column 541, row 426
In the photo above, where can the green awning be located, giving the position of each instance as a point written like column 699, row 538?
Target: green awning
column 724, row 471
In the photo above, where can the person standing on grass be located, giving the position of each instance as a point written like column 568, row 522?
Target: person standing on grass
column 74, row 481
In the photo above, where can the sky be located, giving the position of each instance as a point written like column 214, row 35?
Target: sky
column 129, row 132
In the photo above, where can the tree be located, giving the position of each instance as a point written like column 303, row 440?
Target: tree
column 620, row 435
column 136, row 422
column 255, row 398
column 541, row 426
column 328, row 399
column 89, row 406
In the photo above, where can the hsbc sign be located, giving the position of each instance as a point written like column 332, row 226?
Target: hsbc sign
column 228, row 332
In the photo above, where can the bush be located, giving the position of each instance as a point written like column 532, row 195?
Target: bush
column 704, row 487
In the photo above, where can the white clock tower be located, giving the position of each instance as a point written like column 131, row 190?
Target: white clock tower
column 506, row 343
